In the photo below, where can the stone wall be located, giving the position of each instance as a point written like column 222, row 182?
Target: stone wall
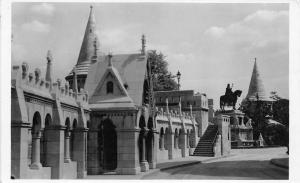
column 45, row 116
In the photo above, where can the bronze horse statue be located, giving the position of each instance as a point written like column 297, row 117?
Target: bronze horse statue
column 230, row 100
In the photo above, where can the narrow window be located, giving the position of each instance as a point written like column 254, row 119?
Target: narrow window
column 109, row 87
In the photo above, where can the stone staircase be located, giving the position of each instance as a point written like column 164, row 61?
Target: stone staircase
column 205, row 146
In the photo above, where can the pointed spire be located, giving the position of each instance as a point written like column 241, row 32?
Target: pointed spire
column 256, row 88
column 49, row 66
column 143, row 50
column 90, row 39
column 75, row 86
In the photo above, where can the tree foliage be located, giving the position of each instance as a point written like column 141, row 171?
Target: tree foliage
column 163, row 79
column 278, row 110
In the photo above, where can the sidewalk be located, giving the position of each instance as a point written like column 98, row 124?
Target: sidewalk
column 169, row 164
column 281, row 162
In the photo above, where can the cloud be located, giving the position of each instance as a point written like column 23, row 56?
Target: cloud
column 215, row 31
column 257, row 30
column 263, row 34
column 19, row 52
column 36, row 26
column 122, row 39
column 43, row 9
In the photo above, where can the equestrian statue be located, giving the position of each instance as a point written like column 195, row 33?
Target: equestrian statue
column 230, row 98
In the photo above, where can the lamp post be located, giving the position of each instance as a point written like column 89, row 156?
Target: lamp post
column 178, row 79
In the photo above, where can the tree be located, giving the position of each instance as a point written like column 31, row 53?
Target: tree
column 163, row 79
column 280, row 109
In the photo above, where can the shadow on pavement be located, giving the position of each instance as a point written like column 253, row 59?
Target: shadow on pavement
column 251, row 169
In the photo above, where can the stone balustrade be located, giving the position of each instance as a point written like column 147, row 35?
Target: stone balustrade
column 175, row 115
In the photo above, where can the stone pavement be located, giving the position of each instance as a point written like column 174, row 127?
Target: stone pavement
column 165, row 165
column 281, row 162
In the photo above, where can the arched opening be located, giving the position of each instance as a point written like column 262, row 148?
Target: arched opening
column 149, row 145
column 176, row 139
column 107, row 141
column 35, row 147
column 187, row 139
column 109, row 87
column 67, row 157
column 161, row 138
column 191, row 138
column 72, row 137
column 44, row 140
column 142, row 141
column 166, row 138
column 180, row 139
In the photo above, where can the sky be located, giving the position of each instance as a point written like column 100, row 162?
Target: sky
column 210, row 44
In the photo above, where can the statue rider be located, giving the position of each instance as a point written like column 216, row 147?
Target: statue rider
column 228, row 90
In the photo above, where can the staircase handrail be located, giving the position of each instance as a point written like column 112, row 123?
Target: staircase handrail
column 215, row 137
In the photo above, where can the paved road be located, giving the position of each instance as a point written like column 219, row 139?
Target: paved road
column 245, row 164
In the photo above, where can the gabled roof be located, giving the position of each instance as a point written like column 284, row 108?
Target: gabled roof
column 130, row 69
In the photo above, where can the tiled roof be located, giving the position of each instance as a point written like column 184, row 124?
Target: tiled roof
column 89, row 46
column 256, row 87
column 131, row 69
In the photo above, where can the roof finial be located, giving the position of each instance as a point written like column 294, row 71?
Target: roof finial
column 110, row 59
column 49, row 56
column 49, row 66
column 143, row 44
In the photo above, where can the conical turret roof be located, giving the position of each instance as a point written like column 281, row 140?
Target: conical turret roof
column 89, row 47
column 256, row 87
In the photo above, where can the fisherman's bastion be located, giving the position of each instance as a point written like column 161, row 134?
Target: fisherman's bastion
column 106, row 117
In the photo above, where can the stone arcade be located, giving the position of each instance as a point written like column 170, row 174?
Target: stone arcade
column 102, row 119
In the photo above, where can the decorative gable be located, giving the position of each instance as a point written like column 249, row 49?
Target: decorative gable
column 111, row 84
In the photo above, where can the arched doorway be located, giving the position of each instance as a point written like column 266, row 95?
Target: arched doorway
column 44, row 140
column 107, row 145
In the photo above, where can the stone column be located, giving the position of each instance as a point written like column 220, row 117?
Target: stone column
column 183, row 145
column 144, row 164
column 19, row 150
column 55, row 148
column 170, row 144
column 128, row 152
column 154, row 147
column 67, row 158
column 79, row 151
column 35, row 158
column 93, row 161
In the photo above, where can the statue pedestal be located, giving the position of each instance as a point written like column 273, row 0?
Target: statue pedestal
column 241, row 131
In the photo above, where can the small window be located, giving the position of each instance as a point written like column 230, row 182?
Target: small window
column 109, row 87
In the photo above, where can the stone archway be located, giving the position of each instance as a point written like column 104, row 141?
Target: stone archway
column 45, row 139
column 107, row 145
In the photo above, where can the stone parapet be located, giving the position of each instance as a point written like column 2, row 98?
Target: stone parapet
column 33, row 83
